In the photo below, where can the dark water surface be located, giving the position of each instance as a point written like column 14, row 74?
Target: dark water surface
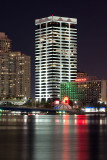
column 53, row 137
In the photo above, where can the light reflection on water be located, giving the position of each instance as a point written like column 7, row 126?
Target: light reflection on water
column 53, row 137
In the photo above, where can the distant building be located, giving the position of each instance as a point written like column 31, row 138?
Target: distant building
column 55, row 55
column 89, row 90
column 14, row 72
column 103, row 91
column 5, row 43
column 81, row 74
column 94, row 109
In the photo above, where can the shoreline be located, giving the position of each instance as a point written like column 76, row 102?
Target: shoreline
column 48, row 111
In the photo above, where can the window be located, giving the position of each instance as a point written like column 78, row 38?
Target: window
column 66, row 25
column 53, row 24
column 43, row 25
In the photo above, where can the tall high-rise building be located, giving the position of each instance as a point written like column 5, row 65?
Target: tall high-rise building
column 5, row 43
column 55, row 55
column 14, row 75
column 14, row 71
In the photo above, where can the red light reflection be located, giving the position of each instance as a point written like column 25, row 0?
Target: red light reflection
column 82, row 138
column 66, row 143
column 81, row 120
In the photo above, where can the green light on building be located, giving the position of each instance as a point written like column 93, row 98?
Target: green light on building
column 71, row 90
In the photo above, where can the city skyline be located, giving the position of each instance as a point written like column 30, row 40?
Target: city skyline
column 17, row 21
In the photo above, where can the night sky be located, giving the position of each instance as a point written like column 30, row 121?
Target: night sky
column 17, row 20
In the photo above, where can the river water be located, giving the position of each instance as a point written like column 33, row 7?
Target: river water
column 53, row 137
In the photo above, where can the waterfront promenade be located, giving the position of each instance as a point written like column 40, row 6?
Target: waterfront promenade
column 44, row 110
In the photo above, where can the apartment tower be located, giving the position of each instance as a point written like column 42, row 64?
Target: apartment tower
column 14, row 71
column 55, row 55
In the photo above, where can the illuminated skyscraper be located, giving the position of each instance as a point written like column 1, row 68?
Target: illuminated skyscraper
column 55, row 55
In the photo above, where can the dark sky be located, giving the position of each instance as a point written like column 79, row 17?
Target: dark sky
column 17, row 20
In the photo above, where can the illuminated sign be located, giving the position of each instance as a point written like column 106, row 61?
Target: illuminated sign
column 65, row 100
column 81, row 80
column 56, row 102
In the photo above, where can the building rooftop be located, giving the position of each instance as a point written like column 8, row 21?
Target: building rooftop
column 56, row 18
column 3, row 35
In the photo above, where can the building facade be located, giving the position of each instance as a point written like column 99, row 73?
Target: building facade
column 104, row 91
column 14, row 72
column 55, row 55
column 86, row 90
column 5, row 43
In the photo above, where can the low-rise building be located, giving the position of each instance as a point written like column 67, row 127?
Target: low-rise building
column 88, row 89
